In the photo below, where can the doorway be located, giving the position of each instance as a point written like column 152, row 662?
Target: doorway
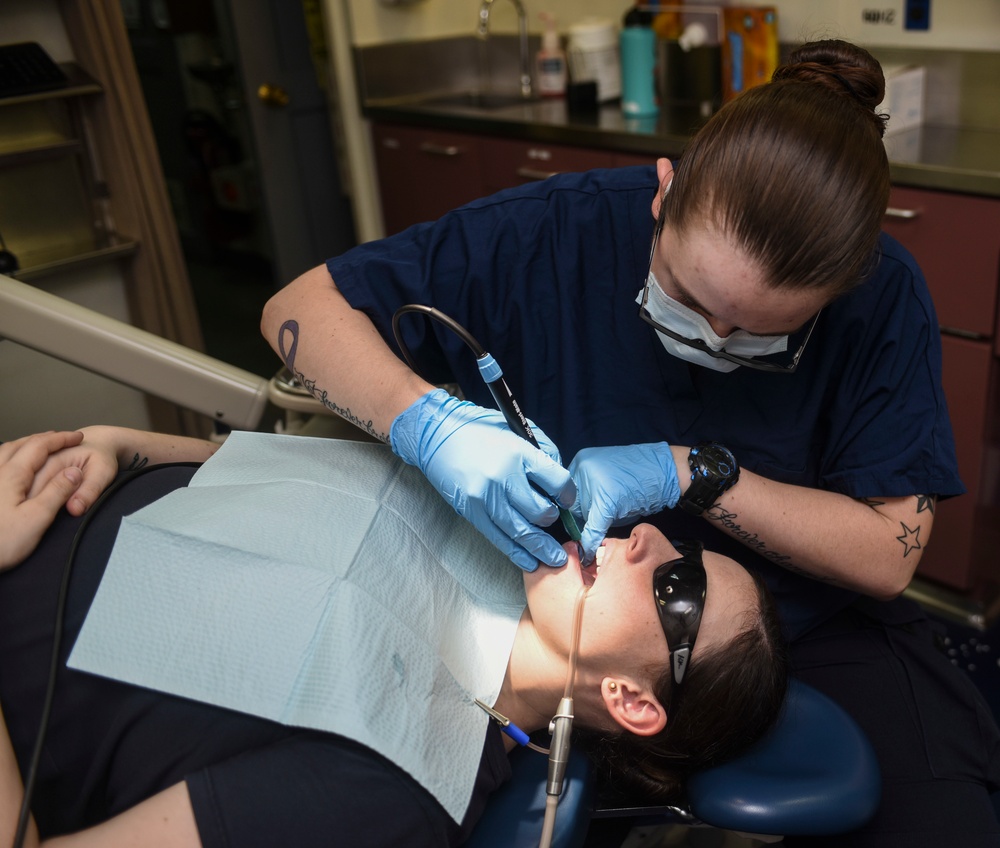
column 236, row 93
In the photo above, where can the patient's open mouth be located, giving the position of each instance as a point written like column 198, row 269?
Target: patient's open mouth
column 590, row 575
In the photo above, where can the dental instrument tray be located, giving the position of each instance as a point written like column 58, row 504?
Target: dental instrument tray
column 25, row 68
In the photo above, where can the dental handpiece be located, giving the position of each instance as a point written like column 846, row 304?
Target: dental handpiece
column 492, row 375
column 490, row 370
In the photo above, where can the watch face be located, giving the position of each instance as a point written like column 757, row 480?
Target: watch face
column 716, row 462
column 713, row 470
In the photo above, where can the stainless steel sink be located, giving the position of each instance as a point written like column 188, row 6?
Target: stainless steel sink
column 478, row 100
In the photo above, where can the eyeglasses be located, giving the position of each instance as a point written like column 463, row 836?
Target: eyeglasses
column 698, row 344
column 679, row 589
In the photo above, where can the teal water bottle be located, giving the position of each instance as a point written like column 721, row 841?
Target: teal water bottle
column 638, row 52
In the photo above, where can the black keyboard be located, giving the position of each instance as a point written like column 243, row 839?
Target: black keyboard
column 26, row 68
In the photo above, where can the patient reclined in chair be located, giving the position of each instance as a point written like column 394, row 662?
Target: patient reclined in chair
column 610, row 662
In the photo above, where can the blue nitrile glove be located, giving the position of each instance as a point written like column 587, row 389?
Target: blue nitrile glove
column 484, row 470
column 619, row 484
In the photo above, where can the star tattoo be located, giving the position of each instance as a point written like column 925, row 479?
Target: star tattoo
column 910, row 539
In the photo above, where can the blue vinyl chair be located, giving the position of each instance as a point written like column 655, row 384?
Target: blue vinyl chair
column 815, row 774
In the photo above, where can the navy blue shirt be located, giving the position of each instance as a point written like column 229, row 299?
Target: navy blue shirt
column 110, row 745
column 545, row 277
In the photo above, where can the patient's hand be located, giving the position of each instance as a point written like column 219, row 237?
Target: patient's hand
column 28, row 508
column 95, row 455
column 105, row 450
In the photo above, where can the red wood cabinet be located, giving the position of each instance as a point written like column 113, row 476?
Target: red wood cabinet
column 956, row 240
column 508, row 162
column 423, row 173
column 623, row 160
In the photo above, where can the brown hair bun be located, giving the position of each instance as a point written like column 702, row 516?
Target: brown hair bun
column 841, row 67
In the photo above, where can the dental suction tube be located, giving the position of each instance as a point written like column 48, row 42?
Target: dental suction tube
column 561, row 726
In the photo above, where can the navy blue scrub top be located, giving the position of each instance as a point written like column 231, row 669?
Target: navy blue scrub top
column 545, row 277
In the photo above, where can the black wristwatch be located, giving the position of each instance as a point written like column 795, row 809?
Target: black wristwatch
column 714, row 469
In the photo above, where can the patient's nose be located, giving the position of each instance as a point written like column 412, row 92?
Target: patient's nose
column 648, row 542
column 640, row 542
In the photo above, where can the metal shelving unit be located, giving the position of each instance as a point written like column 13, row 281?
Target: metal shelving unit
column 54, row 210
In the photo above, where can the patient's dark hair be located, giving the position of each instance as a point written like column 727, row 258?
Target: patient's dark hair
column 732, row 696
column 795, row 171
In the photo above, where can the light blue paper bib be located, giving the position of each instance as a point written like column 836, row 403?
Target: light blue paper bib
column 318, row 583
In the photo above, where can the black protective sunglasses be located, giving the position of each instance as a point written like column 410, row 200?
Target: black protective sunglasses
column 679, row 589
column 698, row 344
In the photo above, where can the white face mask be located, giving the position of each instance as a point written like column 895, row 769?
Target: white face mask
column 664, row 310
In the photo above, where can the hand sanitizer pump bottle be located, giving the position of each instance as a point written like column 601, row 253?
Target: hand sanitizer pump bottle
column 550, row 63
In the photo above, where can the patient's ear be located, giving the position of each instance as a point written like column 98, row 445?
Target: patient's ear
column 633, row 705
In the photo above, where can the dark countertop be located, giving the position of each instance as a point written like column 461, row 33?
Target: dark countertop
column 950, row 158
column 935, row 157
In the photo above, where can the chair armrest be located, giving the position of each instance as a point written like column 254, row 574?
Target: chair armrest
column 135, row 357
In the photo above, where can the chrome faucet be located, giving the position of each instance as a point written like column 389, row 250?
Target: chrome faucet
column 522, row 28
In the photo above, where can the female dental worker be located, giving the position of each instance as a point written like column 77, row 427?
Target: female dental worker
column 125, row 765
column 767, row 379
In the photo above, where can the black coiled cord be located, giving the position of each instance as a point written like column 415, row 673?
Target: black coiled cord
column 36, row 755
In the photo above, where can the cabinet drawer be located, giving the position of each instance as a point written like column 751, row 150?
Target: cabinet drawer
column 424, row 173
column 509, row 162
column 956, row 240
column 623, row 160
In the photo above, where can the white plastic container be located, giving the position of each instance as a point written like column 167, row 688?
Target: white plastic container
column 593, row 55
column 904, row 97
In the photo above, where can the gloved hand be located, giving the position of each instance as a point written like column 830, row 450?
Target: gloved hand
column 619, row 484
column 484, row 470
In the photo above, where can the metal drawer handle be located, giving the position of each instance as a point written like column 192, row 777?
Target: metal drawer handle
column 440, row 149
column 534, row 174
column 904, row 214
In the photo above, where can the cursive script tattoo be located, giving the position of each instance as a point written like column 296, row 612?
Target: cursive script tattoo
column 727, row 520
column 342, row 411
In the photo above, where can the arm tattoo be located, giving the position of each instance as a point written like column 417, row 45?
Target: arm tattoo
column 288, row 356
column 910, row 538
column 138, row 462
column 343, row 412
column 289, row 332
column 727, row 521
